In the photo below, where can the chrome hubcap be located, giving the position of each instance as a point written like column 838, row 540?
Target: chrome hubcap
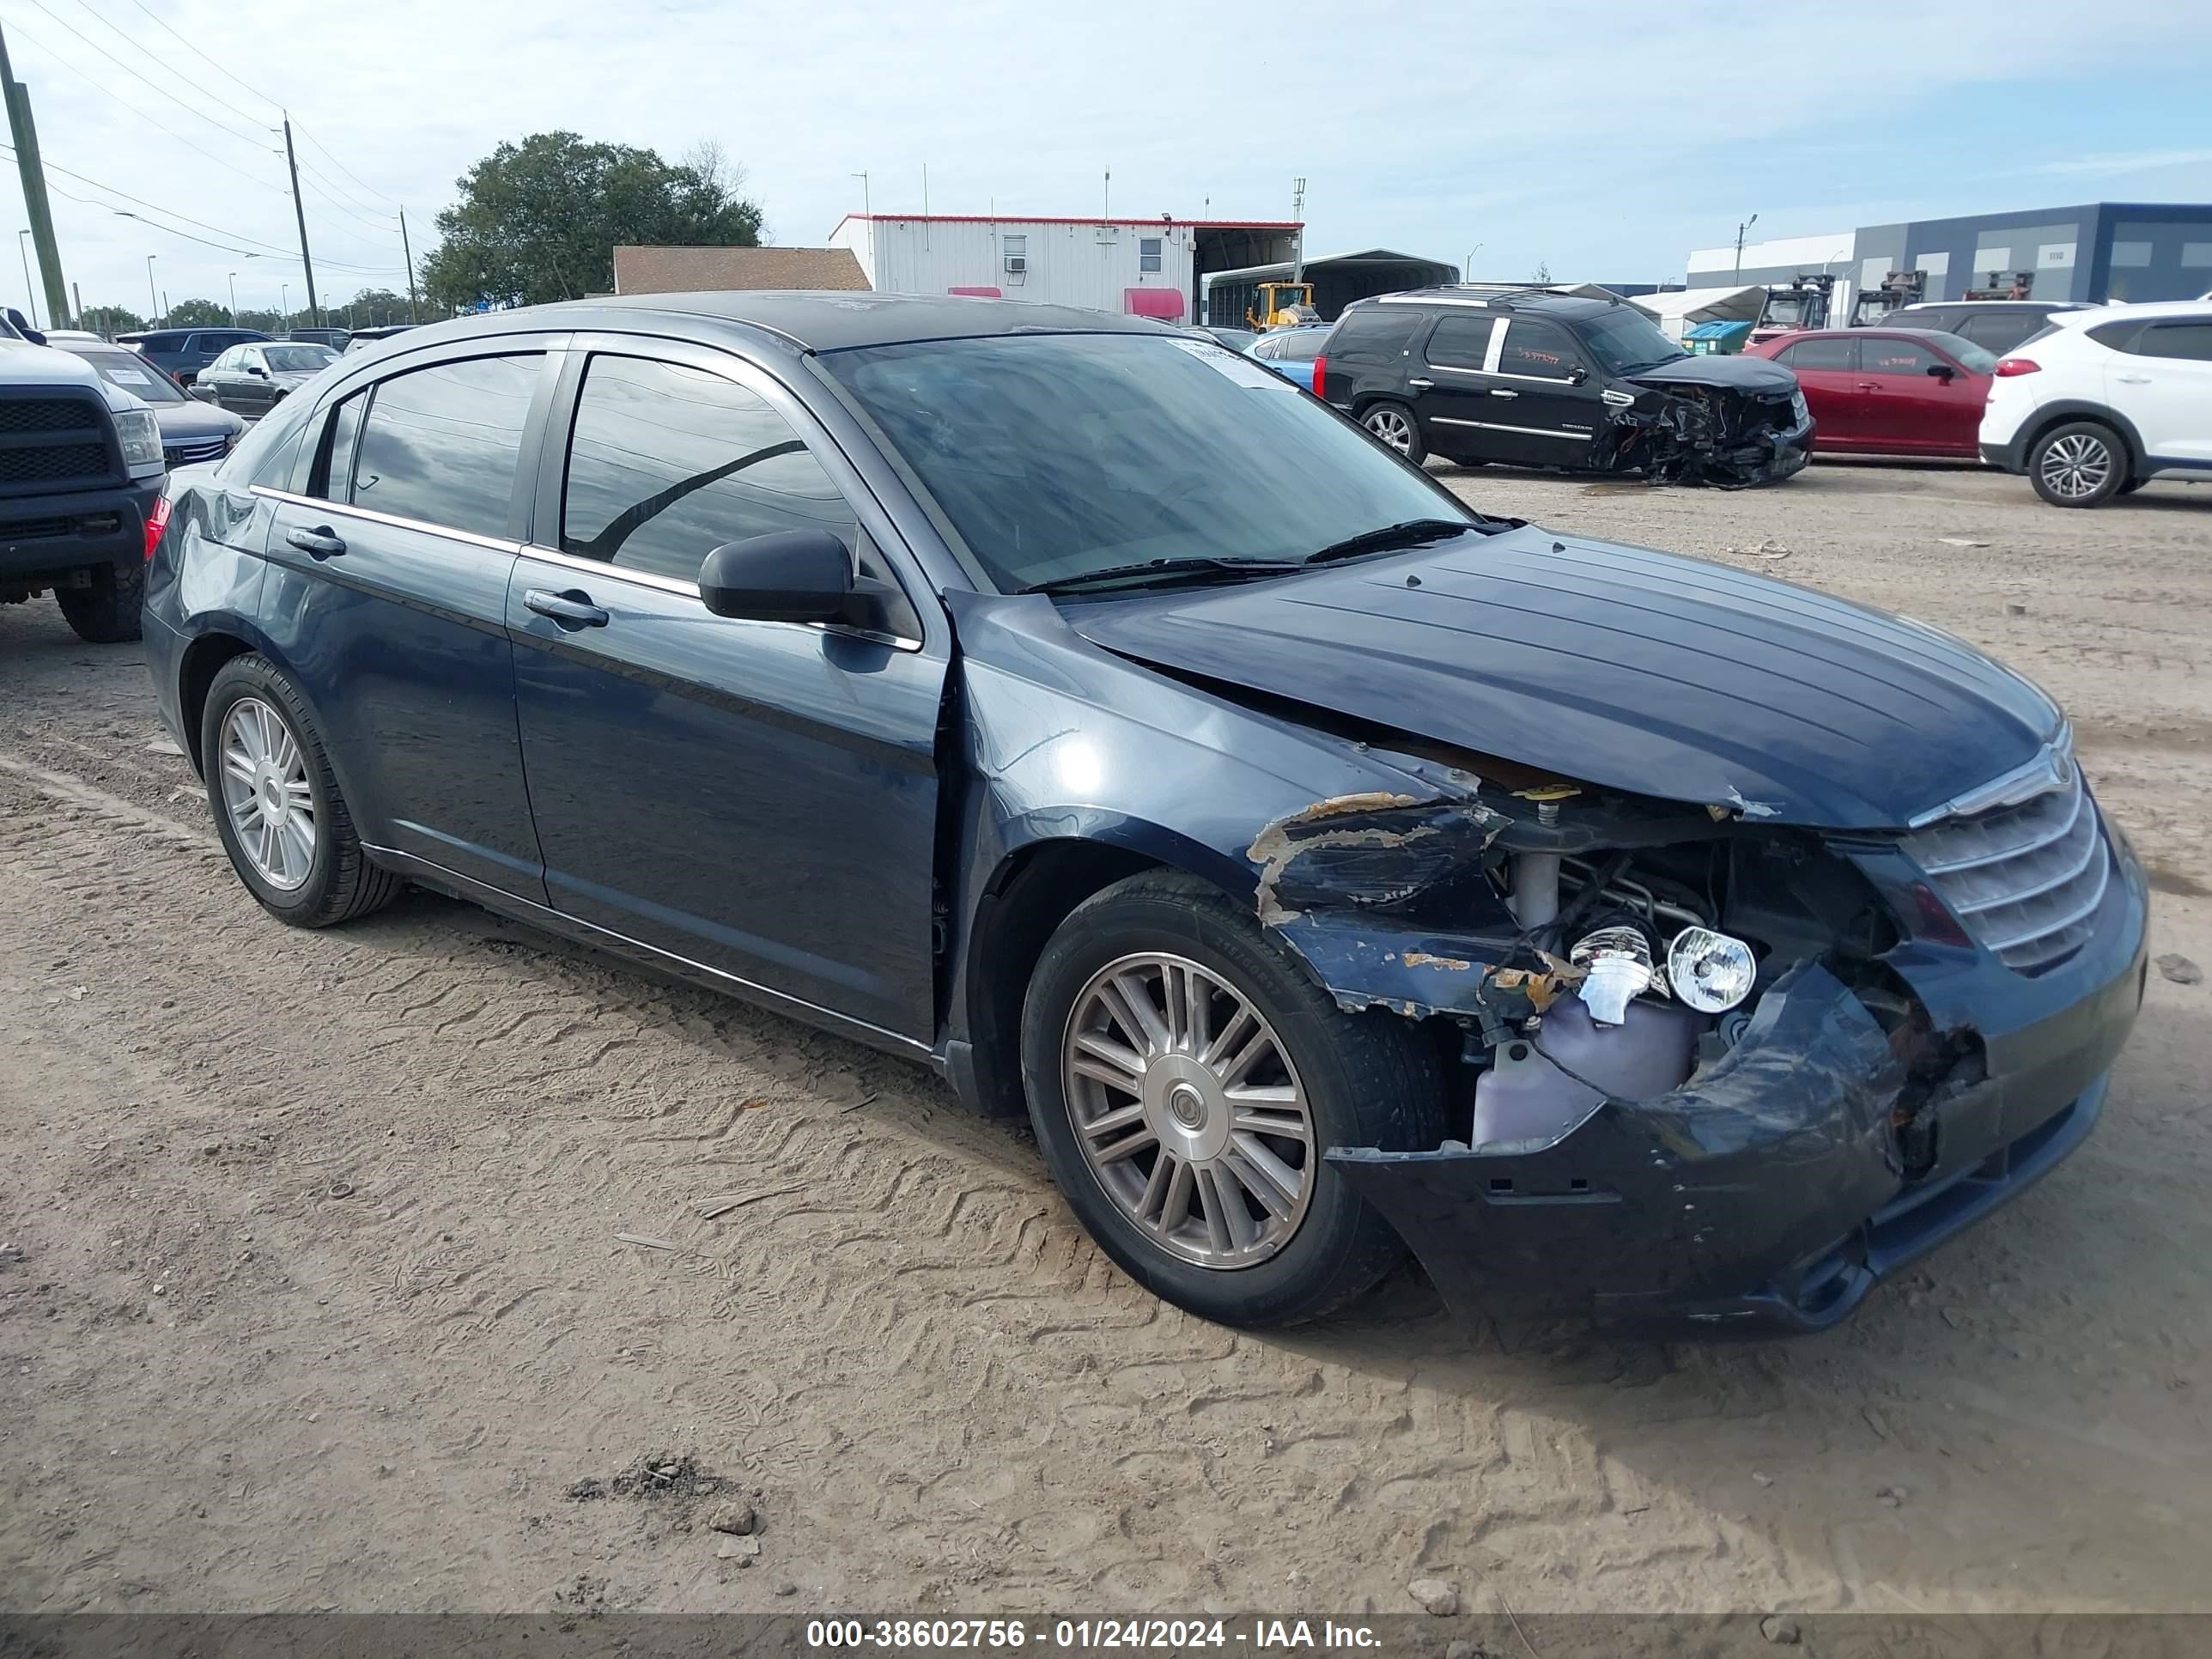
column 1188, row 1111
column 1392, row 428
column 263, row 773
column 2077, row 466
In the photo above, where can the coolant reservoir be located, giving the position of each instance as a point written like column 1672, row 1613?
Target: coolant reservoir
column 1524, row 1096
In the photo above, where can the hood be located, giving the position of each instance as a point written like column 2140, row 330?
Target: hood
column 22, row 363
column 293, row 379
column 1759, row 376
column 194, row 419
column 1640, row 672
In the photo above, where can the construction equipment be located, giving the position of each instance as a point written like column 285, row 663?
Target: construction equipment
column 1799, row 304
column 1899, row 287
column 1282, row 304
column 2001, row 287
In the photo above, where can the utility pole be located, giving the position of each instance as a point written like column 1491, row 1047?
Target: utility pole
column 409, row 249
column 77, row 306
column 300, row 210
column 1298, row 245
column 153, row 298
column 1740, row 230
column 26, row 135
column 29, row 294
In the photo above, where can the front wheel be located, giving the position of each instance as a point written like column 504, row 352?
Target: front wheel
column 1185, row 1078
column 2081, row 464
column 107, row 613
column 1394, row 425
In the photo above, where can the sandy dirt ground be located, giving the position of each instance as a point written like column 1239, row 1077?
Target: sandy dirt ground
column 312, row 1295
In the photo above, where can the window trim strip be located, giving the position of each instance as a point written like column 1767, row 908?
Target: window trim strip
column 348, row 510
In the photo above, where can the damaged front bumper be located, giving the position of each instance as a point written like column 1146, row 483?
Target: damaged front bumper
column 1769, row 1194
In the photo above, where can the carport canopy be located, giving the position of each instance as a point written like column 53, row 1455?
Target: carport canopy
column 1338, row 280
column 1687, row 307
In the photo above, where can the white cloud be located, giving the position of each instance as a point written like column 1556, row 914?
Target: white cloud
column 1581, row 132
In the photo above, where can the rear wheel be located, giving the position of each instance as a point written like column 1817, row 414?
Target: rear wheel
column 1394, row 425
column 277, row 808
column 107, row 613
column 2081, row 464
column 1185, row 1078
column 2131, row 486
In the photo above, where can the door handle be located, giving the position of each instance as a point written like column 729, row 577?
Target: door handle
column 573, row 609
column 1500, row 392
column 316, row 543
column 2133, row 379
column 1420, row 385
column 1865, row 385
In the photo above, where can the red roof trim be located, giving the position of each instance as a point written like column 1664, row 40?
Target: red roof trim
column 1020, row 219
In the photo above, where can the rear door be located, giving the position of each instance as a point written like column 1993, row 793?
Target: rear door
column 1827, row 373
column 756, row 798
column 2164, row 387
column 387, row 592
column 1450, row 391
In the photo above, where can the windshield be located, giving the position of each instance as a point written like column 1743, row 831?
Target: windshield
column 120, row 368
column 1625, row 340
column 1054, row 455
column 1975, row 360
column 1236, row 339
column 298, row 359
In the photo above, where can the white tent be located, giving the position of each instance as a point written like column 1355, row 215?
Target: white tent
column 1687, row 307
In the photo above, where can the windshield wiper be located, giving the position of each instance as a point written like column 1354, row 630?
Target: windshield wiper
column 1197, row 567
column 1412, row 533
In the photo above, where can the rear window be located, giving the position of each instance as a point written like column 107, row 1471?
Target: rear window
column 1461, row 341
column 1840, row 354
column 265, row 455
column 1374, row 332
column 2191, row 341
column 1303, row 346
column 441, row 444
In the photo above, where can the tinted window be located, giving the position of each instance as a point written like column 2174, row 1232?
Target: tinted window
column 1999, row 331
column 1056, row 454
column 1461, row 342
column 1267, row 349
column 266, row 454
column 1841, row 354
column 666, row 464
column 1376, row 332
column 439, row 444
column 2192, row 341
column 1303, row 346
column 1541, row 350
column 334, row 469
column 1888, row 355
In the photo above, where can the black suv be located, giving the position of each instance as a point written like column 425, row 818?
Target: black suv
column 1995, row 325
column 182, row 352
column 1537, row 379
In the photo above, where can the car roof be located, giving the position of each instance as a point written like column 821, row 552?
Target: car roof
column 1999, row 304
column 2093, row 316
column 1541, row 301
column 832, row 321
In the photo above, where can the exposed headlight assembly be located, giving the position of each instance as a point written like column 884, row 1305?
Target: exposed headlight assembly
column 1617, row 963
column 1708, row 971
column 140, row 436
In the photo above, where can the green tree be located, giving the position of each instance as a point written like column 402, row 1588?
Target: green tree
column 1543, row 276
column 198, row 313
column 109, row 321
column 538, row 221
column 370, row 308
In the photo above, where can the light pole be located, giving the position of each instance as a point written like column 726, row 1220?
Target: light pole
column 24, row 248
column 234, row 298
column 1468, row 270
column 1740, row 230
column 283, row 303
column 153, row 299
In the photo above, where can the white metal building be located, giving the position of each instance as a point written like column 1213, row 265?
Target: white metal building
column 1152, row 267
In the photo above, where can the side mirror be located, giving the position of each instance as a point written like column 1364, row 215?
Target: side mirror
column 22, row 326
column 1942, row 371
column 252, row 369
column 792, row 575
column 1578, row 374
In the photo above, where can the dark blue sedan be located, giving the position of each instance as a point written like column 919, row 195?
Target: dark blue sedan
column 1070, row 705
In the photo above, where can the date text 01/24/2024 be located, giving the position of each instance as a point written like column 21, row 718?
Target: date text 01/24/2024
column 1172, row 1635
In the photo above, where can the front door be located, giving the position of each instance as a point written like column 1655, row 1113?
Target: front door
column 387, row 591
column 2164, row 385
column 1549, row 406
column 1918, row 402
column 758, row 797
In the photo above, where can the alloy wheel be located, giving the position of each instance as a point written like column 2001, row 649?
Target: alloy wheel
column 1188, row 1111
column 266, row 793
column 2076, row 466
column 1392, row 429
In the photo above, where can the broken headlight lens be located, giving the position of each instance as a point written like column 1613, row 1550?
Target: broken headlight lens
column 1709, row 971
column 1617, row 966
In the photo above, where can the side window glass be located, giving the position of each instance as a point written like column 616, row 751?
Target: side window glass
column 1822, row 354
column 441, row 444
column 333, row 475
column 667, row 463
column 1537, row 349
column 1895, row 357
column 267, row 453
column 1461, row 342
column 2190, row 341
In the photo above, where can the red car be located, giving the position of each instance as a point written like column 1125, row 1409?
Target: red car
column 1888, row 390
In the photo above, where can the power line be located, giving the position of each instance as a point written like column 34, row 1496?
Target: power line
column 255, row 139
column 204, row 58
column 389, row 229
column 339, row 165
column 161, row 126
column 368, row 208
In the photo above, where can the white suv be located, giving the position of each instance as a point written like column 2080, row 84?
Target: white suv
column 2102, row 401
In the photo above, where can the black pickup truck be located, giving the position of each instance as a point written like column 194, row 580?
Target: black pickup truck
column 81, row 470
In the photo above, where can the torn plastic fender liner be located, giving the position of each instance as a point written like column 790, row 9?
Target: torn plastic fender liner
column 1365, row 850
column 1756, row 1164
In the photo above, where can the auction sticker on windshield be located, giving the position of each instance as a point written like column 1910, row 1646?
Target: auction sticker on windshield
column 1242, row 370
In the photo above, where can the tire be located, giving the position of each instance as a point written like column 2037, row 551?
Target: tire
column 1360, row 1080
column 2131, row 486
column 307, row 879
column 2080, row 464
column 107, row 613
column 1393, row 426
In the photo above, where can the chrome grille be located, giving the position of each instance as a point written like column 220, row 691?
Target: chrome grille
column 2026, row 879
column 189, row 450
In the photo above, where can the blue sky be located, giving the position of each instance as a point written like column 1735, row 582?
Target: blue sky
column 1604, row 140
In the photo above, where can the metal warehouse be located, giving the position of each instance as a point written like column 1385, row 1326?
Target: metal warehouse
column 2102, row 251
